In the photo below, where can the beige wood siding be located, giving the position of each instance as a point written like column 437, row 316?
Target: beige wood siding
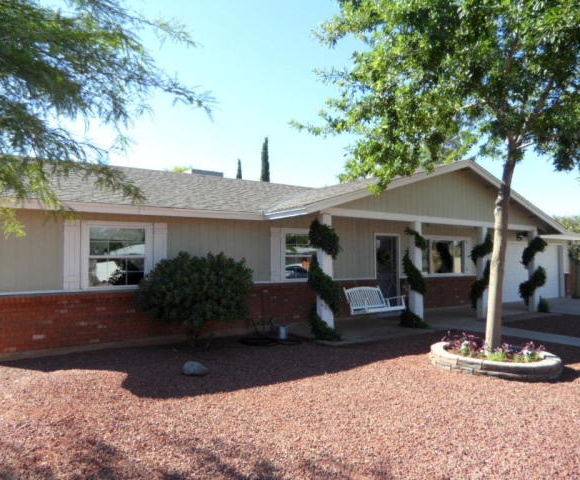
column 458, row 195
column 33, row 262
column 236, row 239
column 357, row 239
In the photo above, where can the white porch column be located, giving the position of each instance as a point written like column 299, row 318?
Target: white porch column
column 416, row 304
column 481, row 307
column 534, row 299
column 326, row 264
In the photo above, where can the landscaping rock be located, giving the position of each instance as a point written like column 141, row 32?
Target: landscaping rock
column 192, row 368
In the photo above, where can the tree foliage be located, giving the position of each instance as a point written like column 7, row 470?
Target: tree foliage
column 265, row 156
column 437, row 79
column 572, row 223
column 80, row 64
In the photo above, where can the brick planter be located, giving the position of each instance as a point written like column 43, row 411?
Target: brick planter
column 547, row 369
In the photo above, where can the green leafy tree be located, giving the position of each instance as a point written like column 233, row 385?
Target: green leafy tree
column 239, row 172
column 61, row 67
column 180, row 169
column 437, row 78
column 572, row 223
column 265, row 175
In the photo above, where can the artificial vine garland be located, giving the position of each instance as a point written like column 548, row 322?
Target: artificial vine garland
column 477, row 252
column 420, row 241
column 414, row 276
column 537, row 245
column 528, row 287
column 481, row 250
column 324, row 286
column 324, row 237
column 479, row 286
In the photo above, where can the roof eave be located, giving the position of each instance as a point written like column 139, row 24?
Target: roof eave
column 145, row 210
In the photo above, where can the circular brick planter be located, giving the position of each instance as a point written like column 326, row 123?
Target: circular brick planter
column 549, row 368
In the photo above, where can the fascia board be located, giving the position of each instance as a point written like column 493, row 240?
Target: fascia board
column 144, row 210
column 405, row 217
column 568, row 236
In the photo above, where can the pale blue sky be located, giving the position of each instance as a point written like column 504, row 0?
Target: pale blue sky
column 257, row 58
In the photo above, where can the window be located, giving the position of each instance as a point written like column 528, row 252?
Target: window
column 444, row 256
column 117, row 255
column 297, row 255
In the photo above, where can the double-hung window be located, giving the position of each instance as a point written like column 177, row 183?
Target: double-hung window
column 444, row 256
column 297, row 254
column 118, row 255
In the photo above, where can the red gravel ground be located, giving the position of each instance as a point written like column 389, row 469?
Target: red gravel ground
column 372, row 411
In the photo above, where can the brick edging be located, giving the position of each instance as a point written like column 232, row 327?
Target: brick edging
column 547, row 369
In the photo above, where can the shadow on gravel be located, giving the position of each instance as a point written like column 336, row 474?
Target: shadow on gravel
column 155, row 372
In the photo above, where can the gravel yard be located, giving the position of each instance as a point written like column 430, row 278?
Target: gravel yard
column 367, row 411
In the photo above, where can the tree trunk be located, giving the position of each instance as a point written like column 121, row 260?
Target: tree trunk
column 497, row 266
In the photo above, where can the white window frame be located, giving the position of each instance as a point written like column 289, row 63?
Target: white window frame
column 85, row 250
column 284, row 232
column 464, row 259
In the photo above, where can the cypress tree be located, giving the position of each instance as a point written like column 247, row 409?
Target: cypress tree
column 265, row 176
column 239, row 174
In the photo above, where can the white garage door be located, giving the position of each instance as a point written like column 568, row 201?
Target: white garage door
column 515, row 273
column 549, row 260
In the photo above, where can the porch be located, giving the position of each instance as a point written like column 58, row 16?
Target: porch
column 368, row 328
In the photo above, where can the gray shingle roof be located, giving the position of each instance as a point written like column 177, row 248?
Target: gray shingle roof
column 310, row 196
column 181, row 190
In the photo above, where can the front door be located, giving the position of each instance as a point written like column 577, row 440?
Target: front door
column 387, row 264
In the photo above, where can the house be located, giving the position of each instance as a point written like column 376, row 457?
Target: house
column 71, row 282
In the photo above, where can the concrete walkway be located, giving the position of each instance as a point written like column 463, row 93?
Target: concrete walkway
column 367, row 328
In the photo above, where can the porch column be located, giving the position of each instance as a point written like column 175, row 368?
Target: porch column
column 326, row 264
column 534, row 299
column 416, row 304
column 481, row 306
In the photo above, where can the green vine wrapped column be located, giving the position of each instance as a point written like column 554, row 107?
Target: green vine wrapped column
column 416, row 283
column 325, row 238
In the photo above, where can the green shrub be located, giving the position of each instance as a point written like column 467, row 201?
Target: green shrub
column 192, row 290
column 543, row 305
column 412, row 320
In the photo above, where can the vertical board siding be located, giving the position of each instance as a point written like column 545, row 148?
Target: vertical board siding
column 33, row 262
column 458, row 195
column 237, row 239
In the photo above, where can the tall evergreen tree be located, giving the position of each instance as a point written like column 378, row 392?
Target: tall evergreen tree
column 239, row 173
column 265, row 177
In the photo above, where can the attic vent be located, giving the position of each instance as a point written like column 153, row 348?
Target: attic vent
column 207, row 172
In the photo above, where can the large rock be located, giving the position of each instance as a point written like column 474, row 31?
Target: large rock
column 192, row 368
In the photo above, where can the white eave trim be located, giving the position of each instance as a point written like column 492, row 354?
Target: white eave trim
column 143, row 210
column 568, row 236
column 406, row 217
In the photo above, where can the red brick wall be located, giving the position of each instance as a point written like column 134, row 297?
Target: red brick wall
column 64, row 320
column 67, row 320
column 448, row 291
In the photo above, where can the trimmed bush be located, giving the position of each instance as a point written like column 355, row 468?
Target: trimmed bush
column 192, row 290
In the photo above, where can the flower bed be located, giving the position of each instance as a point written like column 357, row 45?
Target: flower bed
column 548, row 367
